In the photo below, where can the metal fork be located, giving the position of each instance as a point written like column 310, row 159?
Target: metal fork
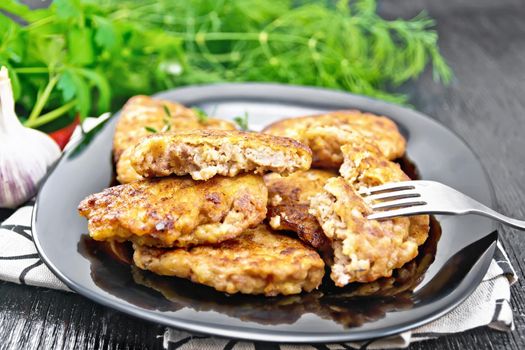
column 426, row 197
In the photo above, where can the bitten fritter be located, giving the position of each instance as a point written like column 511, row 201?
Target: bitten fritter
column 326, row 133
column 176, row 212
column 408, row 276
column 206, row 153
column 125, row 172
column 364, row 166
column 258, row 262
column 289, row 202
column 142, row 112
column 365, row 250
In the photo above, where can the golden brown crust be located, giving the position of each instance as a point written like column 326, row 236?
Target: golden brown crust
column 124, row 170
column 289, row 202
column 206, row 153
column 258, row 262
column 408, row 276
column 297, row 219
column 364, row 166
column 143, row 111
column 365, row 250
column 176, row 211
column 419, row 228
column 326, row 133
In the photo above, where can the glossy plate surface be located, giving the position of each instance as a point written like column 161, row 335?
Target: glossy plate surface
column 461, row 258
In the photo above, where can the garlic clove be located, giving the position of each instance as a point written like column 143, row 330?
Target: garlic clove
column 25, row 154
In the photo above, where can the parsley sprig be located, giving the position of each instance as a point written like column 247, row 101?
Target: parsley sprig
column 86, row 57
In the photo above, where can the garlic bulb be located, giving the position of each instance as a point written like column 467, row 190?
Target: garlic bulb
column 25, row 154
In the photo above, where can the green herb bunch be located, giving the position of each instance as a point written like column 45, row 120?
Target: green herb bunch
column 86, row 56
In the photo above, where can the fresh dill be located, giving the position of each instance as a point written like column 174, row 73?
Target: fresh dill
column 166, row 128
column 90, row 55
column 167, row 113
column 201, row 115
column 168, row 117
column 242, row 121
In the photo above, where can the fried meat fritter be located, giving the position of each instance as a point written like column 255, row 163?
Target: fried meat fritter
column 206, row 153
column 125, row 172
column 326, row 133
column 365, row 250
column 289, row 202
column 142, row 112
column 365, row 167
column 258, row 262
column 176, row 212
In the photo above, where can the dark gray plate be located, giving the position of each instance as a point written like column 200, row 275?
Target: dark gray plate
column 463, row 252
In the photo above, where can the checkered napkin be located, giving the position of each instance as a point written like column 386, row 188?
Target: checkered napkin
column 489, row 305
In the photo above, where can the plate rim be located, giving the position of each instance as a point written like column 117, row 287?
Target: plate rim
column 261, row 334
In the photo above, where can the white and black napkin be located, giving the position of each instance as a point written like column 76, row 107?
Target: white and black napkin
column 489, row 305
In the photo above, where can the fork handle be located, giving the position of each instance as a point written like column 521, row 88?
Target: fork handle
column 488, row 212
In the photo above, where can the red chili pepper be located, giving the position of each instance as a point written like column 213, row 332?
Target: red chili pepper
column 62, row 136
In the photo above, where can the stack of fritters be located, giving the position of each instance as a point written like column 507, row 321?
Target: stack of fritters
column 195, row 192
column 325, row 209
column 195, row 204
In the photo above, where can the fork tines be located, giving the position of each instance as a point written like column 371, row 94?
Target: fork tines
column 392, row 199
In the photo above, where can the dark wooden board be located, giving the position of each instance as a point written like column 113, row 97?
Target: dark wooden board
column 484, row 41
